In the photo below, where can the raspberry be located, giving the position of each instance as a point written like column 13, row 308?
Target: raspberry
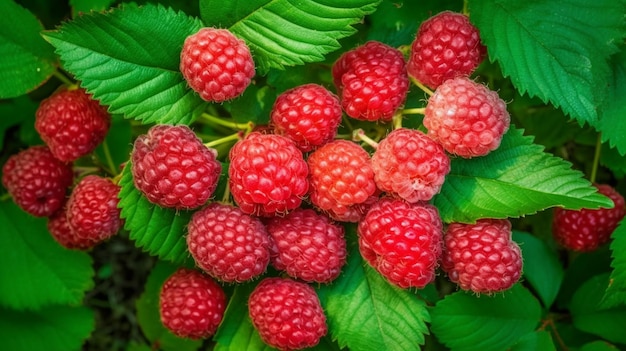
column 267, row 174
column 446, row 46
column 191, row 304
column 71, row 123
column 481, row 257
column 216, row 64
column 402, row 241
column 308, row 114
column 586, row 229
column 172, row 167
column 372, row 80
column 287, row 314
column 466, row 118
column 307, row 245
column 410, row 165
column 37, row 180
column 92, row 211
column 228, row 244
column 341, row 180
column 61, row 231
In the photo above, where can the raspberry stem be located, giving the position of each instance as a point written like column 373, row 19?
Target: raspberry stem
column 224, row 140
column 5, row 197
column 422, row 86
column 359, row 135
column 596, row 159
column 60, row 76
column 210, row 119
column 414, row 111
column 109, row 159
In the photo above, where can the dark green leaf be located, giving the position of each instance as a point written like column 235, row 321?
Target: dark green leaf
column 598, row 346
column 80, row 7
column 16, row 111
column 581, row 268
column 616, row 292
column 613, row 112
column 538, row 340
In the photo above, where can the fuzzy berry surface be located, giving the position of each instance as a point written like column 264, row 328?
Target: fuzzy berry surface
column 410, row 165
column 191, row 304
column 92, row 211
column 402, row 241
column 372, row 81
column 268, row 175
column 60, row 229
column 71, row 123
column 446, row 46
column 466, row 117
column 308, row 114
column 307, row 246
column 228, row 244
column 341, row 179
column 287, row 314
column 216, row 64
column 586, row 229
column 37, row 181
column 172, row 167
column 482, row 257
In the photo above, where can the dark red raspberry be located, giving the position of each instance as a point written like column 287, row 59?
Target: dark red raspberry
column 402, row 241
column 61, row 231
column 372, row 81
column 342, row 180
column 586, row 229
column 482, row 257
column 228, row 244
column 287, row 314
column 307, row 245
column 172, row 167
column 92, row 211
column 216, row 64
column 446, row 46
column 267, row 174
column 191, row 304
column 71, row 123
column 410, row 165
column 37, row 180
column 467, row 118
column 308, row 114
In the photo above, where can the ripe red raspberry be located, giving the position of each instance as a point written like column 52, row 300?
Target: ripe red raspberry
column 482, row 257
column 267, row 174
column 372, row 81
column 191, row 304
column 402, row 241
column 61, row 231
column 37, row 180
column 92, row 211
column 586, row 229
column 172, row 167
column 228, row 244
column 410, row 165
column 308, row 114
column 342, row 180
column 466, row 118
column 216, row 64
column 307, row 245
column 287, row 314
column 446, row 46
column 71, row 123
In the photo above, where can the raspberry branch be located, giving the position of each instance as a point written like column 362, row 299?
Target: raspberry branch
column 596, row 159
column 359, row 135
column 421, row 86
column 214, row 120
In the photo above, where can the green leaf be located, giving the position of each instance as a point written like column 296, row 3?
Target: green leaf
column 583, row 267
column 565, row 48
column 52, row 328
column 613, row 112
column 615, row 295
column 598, row 346
column 26, row 60
column 466, row 322
column 148, row 313
column 129, row 59
column 20, row 110
column 36, row 270
column 516, row 179
column 542, row 268
column 365, row 312
column 285, row 32
column 156, row 230
column 79, row 7
column 589, row 316
column 538, row 340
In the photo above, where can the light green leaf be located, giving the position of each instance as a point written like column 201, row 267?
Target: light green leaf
column 557, row 51
column 613, row 112
column 26, row 60
column 129, row 59
column 466, row 322
column 287, row 32
column 36, row 270
column 516, row 179
column 52, row 328
column 615, row 294
column 156, row 230
column 538, row 340
column 589, row 316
